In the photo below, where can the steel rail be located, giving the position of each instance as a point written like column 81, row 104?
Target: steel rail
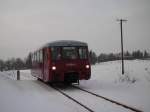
column 110, row 100
column 66, row 95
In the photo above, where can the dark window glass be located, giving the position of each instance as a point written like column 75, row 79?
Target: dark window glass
column 45, row 56
column 34, row 57
column 38, row 56
column 41, row 56
column 83, row 53
column 55, row 53
column 69, row 53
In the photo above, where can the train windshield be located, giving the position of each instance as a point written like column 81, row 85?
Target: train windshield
column 69, row 53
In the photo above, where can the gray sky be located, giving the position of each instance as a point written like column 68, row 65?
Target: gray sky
column 28, row 24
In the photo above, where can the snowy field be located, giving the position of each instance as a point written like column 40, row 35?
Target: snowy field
column 30, row 95
column 24, row 75
column 132, row 89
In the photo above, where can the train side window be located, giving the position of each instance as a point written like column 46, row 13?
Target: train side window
column 37, row 56
column 41, row 56
column 32, row 57
column 45, row 55
column 83, row 53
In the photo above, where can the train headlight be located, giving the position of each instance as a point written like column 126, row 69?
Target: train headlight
column 87, row 66
column 53, row 68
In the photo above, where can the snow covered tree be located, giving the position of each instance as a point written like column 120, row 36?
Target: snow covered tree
column 19, row 64
column 137, row 54
column 28, row 61
column 93, row 57
column 102, row 57
column 1, row 65
column 127, row 53
column 145, row 54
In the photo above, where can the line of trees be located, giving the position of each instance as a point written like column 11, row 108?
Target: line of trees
column 103, row 57
column 18, row 63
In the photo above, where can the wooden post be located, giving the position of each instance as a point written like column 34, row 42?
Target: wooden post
column 122, row 55
column 18, row 75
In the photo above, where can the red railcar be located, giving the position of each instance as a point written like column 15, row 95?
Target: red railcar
column 62, row 61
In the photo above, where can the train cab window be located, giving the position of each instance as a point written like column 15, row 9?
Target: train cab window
column 55, row 53
column 69, row 53
column 83, row 53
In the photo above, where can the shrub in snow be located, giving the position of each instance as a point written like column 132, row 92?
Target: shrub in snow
column 127, row 78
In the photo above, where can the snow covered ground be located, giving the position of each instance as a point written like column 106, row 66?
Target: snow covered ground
column 132, row 89
column 28, row 95
column 32, row 96
column 24, row 75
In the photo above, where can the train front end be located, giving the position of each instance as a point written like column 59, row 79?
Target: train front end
column 70, row 63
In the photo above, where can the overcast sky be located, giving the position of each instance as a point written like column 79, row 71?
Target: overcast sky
column 28, row 24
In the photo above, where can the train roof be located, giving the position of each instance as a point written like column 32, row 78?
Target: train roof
column 65, row 43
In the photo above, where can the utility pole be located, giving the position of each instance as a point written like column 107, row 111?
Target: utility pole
column 122, row 55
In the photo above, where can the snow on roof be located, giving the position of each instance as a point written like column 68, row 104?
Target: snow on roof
column 66, row 43
column 63, row 43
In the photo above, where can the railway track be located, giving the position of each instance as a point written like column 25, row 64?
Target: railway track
column 110, row 100
column 71, row 98
column 60, row 90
